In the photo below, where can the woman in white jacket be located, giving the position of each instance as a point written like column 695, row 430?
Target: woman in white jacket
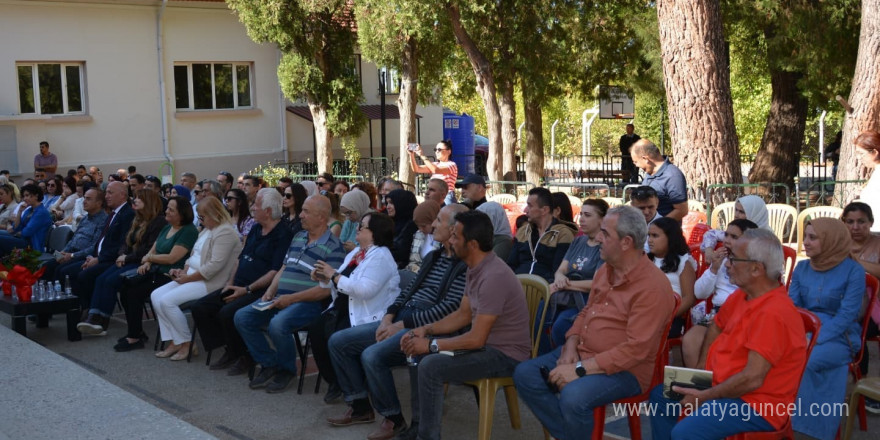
column 362, row 288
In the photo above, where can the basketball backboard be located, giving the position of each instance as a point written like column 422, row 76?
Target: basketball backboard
column 616, row 103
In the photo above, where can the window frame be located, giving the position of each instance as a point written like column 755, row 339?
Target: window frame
column 386, row 72
column 35, row 84
column 191, row 89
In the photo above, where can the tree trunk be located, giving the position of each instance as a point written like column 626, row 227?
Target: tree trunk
column 406, row 105
column 508, row 130
column 697, row 80
column 779, row 156
column 486, row 89
column 535, row 139
column 864, row 98
column 323, row 137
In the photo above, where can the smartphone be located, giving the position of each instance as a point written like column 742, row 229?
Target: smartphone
column 412, row 147
column 545, row 374
column 226, row 293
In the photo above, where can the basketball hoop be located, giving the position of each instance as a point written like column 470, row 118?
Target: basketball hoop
column 624, row 115
column 615, row 103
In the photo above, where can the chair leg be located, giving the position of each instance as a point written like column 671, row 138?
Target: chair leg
column 512, row 406
column 598, row 423
column 303, row 359
column 863, row 416
column 192, row 343
column 635, row 427
column 159, row 344
column 487, row 392
column 850, row 418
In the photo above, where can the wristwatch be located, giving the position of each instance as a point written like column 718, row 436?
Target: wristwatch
column 247, row 289
column 579, row 369
column 433, row 347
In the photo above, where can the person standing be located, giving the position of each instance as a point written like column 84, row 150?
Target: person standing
column 47, row 161
column 442, row 169
column 626, row 161
column 868, row 150
column 664, row 177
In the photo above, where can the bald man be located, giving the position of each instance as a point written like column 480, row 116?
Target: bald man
column 296, row 299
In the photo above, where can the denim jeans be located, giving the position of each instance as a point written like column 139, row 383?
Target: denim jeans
column 715, row 419
column 435, row 370
column 569, row 414
column 280, row 325
column 106, row 286
column 362, row 365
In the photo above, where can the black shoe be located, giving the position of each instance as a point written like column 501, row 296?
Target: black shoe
column 410, row 433
column 224, row 362
column 280, row 382
column 333, row 393
column 142, row 337
column 124, row 345
column 241, row 366
column 262, row 379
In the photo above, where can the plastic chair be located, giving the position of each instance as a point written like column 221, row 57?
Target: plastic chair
column 811, row 327
column 871, row 286
column 868, row 387
column 635, row 425
column 503, row 199
column 536, row 290
column 811, row 213
column 788, row 267
column 722, row 215
column 696, row 205
column 700, row 258
column 782, row 218
column 691, row 220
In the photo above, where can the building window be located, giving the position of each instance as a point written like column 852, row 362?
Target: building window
column 50, row 88
column 212, row 86
column 392, row 80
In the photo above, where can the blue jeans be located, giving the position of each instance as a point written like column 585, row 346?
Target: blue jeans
column 435, row 370
column 280, row 325
column 715, row 419
column 106, row 286
column 362, row 365
column 569, row 414
column 561, row 325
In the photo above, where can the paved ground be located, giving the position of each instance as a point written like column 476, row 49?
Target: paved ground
column 221, row 406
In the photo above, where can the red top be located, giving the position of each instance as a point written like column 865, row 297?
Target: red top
column 771, row 326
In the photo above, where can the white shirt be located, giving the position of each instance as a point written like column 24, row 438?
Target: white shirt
column 675, row 277
column 112, row 217
column 371, row 287
column 871, row 196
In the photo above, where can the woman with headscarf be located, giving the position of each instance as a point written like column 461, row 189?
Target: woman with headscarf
column 400, row 205
column 423, row 240
column 832, row 286
column 353, row 206
column 181, row 191
column 310, row 186
column 752, row 208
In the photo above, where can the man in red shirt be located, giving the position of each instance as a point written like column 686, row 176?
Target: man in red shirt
column 756, row 349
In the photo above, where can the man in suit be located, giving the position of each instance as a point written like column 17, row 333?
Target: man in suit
column 106, row 250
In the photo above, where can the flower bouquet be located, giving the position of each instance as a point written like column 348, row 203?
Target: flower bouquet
column 20, row 269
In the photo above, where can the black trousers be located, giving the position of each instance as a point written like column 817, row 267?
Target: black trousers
column 215, row 321
column 133, row 299
column 319, row 333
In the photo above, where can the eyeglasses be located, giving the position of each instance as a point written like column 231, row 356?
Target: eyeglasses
column 319, row 183
column 197, row 191
column 288, row 196
column 228, row 198
column 744, row 260
column 440, row 149
column 642, row 194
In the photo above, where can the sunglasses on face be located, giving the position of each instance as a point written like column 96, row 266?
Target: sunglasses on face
column 288, row 196
column 439, row 149
column 230, row 198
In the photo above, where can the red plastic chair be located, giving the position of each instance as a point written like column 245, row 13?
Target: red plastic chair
column 700, row 258
column 635, row 425
column 690, row 221
column 788, row 266
column 811, row 326
column 871, row 287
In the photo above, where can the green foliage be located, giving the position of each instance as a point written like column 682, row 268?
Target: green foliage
column 352, row 153
column 28, row 258
column 271, row 174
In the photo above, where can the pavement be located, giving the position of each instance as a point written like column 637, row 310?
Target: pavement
column 54, row 389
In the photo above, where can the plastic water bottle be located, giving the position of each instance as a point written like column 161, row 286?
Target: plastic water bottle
column 57, row 289
column 68, row 290
column 35, row 292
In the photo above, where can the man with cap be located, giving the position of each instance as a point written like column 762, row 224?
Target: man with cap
column 473, row 190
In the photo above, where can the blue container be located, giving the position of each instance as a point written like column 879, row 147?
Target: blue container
column 460, row 130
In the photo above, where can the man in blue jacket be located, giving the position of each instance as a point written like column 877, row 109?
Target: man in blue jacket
column 34, row 225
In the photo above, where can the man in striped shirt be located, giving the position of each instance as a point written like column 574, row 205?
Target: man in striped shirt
column 363, row 355
column 296, row 299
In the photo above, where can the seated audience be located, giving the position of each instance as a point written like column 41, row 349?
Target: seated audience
column 170, row 251
column 473, row 190
column 755, row 348
column 297, row 300
column 353, row 206
column 400, row 205
column 63, row 210
column 562, row 208
column 148, row 222
column 324, row 182
column 336, row 219
column 31, row 230
column 540, row 245
column 492, row 319
column 340, row 187
column 260, row 260
column 311, row 187
column 502, row 242
column 84, row 238
column 206, row 270
column 436, row 190
column 645, row 199
column 364, row 355
column 609, row 351
column 573, row 279
column 370, row 190
column 294, row 197
column 9, row 209
column 752, row 208
column 831, row 285
column 423, row 240
column 367, row 284
column 671, row 254
column 236, row 205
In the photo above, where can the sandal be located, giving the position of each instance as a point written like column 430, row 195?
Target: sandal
column 183, row 352
column 168, row 351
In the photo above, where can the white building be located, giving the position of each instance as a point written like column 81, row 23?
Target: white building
column 152, row 83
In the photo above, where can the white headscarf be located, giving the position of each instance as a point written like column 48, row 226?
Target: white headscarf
column 498, row 216
column 357, row 201
column 756, row 210
column 310, row 186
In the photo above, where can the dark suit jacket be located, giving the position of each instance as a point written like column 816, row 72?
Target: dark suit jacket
column 114, row 238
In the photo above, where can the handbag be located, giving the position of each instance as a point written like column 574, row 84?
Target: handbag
column 131, row 277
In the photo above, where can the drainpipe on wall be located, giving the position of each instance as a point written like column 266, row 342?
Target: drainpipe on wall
column 282, row 112
column 160, row 54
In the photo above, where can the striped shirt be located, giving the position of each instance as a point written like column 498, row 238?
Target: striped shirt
column 428, row 292
column 296, row 276
column 449, row 178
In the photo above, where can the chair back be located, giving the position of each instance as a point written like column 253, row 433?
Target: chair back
column 811, row 213
column 722, row 215
column 782, row 220
column 871, row 287
column 812, row 325
column 691, row 220
column 537, row 292
column 700, row 258
column 696, row 205
column 788, row 267
column 661, row 359
column 59, row 236
column 503, row 199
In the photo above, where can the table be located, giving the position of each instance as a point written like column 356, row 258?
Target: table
column 20, row 310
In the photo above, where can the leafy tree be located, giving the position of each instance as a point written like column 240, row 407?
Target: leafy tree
column 317, row 41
